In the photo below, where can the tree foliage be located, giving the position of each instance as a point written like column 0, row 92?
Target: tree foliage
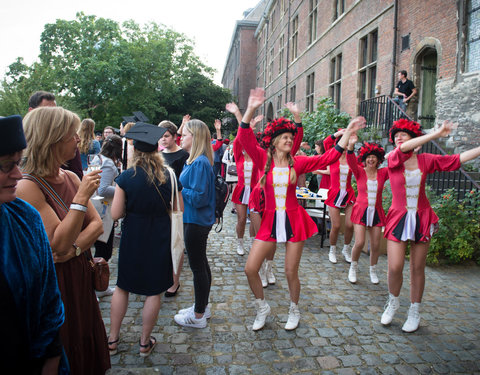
column 104, row 70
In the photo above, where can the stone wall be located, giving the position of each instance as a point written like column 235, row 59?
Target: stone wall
column 460, row 102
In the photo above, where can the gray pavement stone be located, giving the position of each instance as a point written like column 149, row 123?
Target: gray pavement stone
column 339, row 332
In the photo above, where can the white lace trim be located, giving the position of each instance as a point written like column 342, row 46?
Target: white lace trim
column 412, row 189
column 280, row 185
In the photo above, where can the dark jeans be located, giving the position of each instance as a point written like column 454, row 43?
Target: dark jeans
column 196, row 244
column 103, row 249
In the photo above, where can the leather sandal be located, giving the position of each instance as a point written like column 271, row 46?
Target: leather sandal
column 151, row 344
column 114, row 350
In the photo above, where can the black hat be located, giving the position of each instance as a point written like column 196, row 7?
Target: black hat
column 145, row 136
column 12, row 138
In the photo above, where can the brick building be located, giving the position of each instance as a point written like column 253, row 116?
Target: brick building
column 239, row 72
column 351, row 50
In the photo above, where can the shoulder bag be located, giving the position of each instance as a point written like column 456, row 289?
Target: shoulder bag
column 176, row 216
column 100, row 269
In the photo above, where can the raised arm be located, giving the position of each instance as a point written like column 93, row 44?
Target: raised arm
column 255, row 100
column 297, row 141
column 413, row 143
column 351, row 158
column 233, row 109
column 218, row 128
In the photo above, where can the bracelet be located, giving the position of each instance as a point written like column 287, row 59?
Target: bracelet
column 78, row 207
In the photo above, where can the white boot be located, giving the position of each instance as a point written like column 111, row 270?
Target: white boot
column 240, row 249
column 352, row 273
column 390, row 309
column 373, row 274
column 270, row 276
column 332, row 256
column 346, row 253
column 263, row 309
column 263, row 274
column 413, row 319
column 293, row 317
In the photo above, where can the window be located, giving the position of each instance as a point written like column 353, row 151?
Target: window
column 405, row 42
column 295, row 38
column 368, row 65
column 270, row 67
column 312, row 25
column 339, row 8
column 281, row 54
column 279, row 102
column 310, row 92
column 293, row 92
column 473, row 36
column 282, row 7
column 272, row 20
column 335, row 88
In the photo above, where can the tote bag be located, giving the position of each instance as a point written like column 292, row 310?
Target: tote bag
column 176, row 216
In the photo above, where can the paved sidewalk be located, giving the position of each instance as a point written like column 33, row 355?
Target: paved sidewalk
column 339, row 332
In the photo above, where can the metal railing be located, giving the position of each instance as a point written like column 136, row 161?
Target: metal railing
column 380, row 113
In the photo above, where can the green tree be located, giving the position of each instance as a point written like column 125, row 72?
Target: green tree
column 104, row 70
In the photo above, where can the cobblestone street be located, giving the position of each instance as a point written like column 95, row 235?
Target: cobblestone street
column 339, row 332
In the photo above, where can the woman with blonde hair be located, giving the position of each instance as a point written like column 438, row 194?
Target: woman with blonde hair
column 283, row 220
column 72, row 226
column 198, row 182
column 88, row 144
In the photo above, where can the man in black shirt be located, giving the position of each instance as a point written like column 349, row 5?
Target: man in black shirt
column 404, row 91
column 172, row 153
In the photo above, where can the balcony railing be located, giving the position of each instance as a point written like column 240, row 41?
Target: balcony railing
column 380, row 113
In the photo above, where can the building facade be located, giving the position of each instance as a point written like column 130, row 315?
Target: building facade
column 352, row 50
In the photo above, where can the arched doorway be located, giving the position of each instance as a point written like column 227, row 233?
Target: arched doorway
column 426, row 63
column 270, row 112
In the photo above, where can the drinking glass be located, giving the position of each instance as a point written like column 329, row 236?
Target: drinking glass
column 94, row 164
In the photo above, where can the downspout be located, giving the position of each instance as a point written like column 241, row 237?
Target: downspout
column 265, row 71
column 394, row 52
column 287, row 99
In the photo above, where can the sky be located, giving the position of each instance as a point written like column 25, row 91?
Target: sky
column 209, row 23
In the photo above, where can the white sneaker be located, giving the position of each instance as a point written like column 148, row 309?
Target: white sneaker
column 413, row 320
column 263, row 310
column 189, row 320
column 391, row 308
column 270, row 276
column 207, row 314
column 373, row 274
column 346, row 253
column 293, row 317
column 332, row 256
column 263, row 275
column 107, row 292
column 352, row 272
column 240, row 248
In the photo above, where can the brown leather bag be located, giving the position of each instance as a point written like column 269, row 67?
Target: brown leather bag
column 100, row 273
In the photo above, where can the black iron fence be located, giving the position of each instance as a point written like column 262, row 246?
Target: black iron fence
column 380, row 113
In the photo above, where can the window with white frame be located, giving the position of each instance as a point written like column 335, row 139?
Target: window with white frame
column 368, row 65
column 312, row 21
column 294, row 53
column 281, row 54
column 335, row 88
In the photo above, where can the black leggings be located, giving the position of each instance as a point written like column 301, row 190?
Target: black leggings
column 103, row 249
column 196, row 244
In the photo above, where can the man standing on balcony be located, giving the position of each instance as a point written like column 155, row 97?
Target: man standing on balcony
column 404, row 90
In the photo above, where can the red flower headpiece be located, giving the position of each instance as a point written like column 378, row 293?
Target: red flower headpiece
column 371, row 149
column 277, row 127
column 403, row 125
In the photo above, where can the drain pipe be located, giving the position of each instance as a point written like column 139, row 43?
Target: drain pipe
column 394, row 54
column 288, row 55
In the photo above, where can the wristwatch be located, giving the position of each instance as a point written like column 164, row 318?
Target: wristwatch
column 78, row 251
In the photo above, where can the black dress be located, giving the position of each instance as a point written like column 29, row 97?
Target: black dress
column 144, row 258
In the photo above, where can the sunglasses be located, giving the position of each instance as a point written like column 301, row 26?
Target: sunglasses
column 6, row 166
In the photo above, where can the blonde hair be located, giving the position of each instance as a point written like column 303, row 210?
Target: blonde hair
column 201, row 143
column 86, row 134
column 152, row 163
column 268, row 164
column 44, row 127
column 127, row 127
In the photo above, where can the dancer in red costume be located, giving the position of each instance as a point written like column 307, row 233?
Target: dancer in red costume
column 340, row 195
column 257, row 197
column 367, row 212
column 284, row 220
column 410, row 217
